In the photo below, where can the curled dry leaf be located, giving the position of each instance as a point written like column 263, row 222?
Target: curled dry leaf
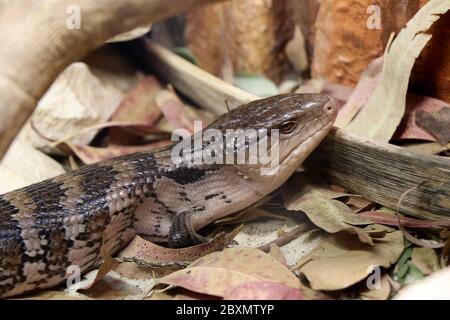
column 387, row 104
column 76, row 100
column 220, row 273
column 340, row 261
column 155, row 255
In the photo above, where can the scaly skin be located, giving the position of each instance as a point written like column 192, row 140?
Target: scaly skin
column 64, row 221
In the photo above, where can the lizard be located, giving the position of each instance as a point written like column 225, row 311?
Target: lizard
column 76, row 217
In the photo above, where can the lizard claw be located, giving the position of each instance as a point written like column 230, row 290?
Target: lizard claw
column 182, row 234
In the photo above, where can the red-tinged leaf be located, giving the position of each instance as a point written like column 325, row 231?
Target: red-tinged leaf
column 220, row 273
column 176, row 113
column 362, row 93
column 408, row 128
column 89, row 154
column 139, row 107
column 260, row 290
column 437, row 123
column 139, row 104
column 381, row 217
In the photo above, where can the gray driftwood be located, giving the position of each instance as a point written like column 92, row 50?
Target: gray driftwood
column 381, row 172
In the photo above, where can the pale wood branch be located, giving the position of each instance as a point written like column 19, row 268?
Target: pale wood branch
column 37, row 45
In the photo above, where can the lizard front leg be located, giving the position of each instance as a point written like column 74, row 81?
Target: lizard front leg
column 182, row 233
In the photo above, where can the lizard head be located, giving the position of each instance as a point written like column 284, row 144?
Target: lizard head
column 292, row 125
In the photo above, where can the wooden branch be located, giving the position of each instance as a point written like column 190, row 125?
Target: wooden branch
column 37, row 45
column 379, row 171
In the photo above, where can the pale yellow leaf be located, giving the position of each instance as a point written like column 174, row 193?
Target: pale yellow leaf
column 382, row 114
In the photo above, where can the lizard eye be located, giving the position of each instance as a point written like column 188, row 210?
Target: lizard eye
column 288, row 126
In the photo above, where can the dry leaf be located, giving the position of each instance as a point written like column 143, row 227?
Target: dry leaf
column 139, row 107
column 75, row 100
column 176, row 113
column 426, row 260
column 340, row 260
column 296, row 51
column 220, row 273
column 24, row 165
column 153, row 254
column 326, row 213
column 367, row 83
column 437, row 123
column 260, row 290
column 408, row 128
column 387, row 104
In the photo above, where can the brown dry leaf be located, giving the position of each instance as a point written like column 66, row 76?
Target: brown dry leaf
column 176, row 113
column 381, row 293
column 387, row 104
column 296, row 51
column 139, row 107
column 77, row 99
column 24, row 165
column 367, row 83
column 220, row 273
column 329, row 214
column 437, row 123
column 340, row 261
column 139, row 103
column 89, row 154
column 426, row 260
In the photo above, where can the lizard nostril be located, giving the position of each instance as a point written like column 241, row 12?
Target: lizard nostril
column 331, row 108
